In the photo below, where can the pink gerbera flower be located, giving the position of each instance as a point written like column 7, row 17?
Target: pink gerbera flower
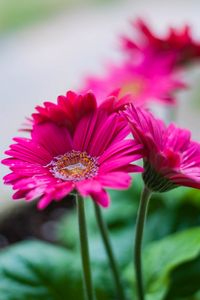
column 170, row 157
column 87, row 157
column 149, row 81
column 178, row 43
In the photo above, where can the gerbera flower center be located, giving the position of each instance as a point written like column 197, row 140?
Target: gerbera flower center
column 74, row 166
column 134, row 87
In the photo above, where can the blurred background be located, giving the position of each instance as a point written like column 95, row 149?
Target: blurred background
column 48, row 46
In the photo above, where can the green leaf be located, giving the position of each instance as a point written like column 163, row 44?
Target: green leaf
column 184, row 280
column 162, row 257
column 37, row 270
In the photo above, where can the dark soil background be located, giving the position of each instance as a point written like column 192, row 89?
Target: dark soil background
column 25, row 221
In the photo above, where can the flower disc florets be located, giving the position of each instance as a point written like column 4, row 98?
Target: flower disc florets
column 74, row 166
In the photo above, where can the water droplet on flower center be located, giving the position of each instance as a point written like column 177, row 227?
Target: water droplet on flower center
column 74, row 166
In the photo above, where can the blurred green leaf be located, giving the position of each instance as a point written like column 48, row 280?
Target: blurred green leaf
column 184, row 280
column 14, row 14
column 161, row 258
column 37, row 270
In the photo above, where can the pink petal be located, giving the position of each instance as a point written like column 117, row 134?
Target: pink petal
column 102, row 198
column 55, row 139
column 88, row 186
column 115, row 180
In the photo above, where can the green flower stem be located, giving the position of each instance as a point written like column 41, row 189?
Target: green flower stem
column 87, row 278
column 140, row 222
column 108, row 248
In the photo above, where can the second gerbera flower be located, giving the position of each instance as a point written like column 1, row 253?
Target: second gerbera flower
column 171, row 158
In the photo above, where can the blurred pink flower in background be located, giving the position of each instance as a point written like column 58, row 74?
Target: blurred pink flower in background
column 170, row 157
column 152, row 80
column 178, row 43
column 73, row 145
column 153, row 68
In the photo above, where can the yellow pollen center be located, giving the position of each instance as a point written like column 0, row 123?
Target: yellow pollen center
column 134, row 87
column 74, row 166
